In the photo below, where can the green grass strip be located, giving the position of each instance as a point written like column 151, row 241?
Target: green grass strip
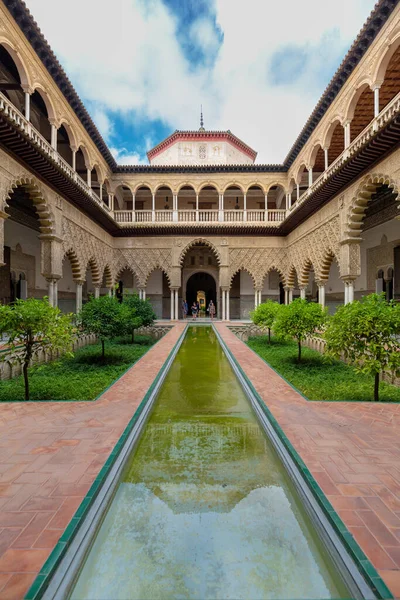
column 81, row 377
column 315, row 377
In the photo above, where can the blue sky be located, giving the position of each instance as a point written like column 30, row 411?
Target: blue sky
column 143, row 67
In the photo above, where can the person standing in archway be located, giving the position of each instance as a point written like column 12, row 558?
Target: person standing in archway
column 211, row 309
column 194, row 310
column 184, row 309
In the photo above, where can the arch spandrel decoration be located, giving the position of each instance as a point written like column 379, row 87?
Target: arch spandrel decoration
column 142, row 261
column 256, row 261
column 90, row 251
column 314, row 248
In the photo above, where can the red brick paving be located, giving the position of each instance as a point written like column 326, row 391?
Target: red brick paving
column 50, row 454
column 353, row 451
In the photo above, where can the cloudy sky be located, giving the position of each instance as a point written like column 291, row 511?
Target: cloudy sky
column 143, row 67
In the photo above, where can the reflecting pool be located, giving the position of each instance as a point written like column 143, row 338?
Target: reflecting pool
column 205, row 508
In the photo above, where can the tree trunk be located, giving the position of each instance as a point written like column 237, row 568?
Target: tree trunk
column 376, row 388
column 299, row 354
column 269, row 335
column 102, row 349
column 28, row 356
column 26, row 380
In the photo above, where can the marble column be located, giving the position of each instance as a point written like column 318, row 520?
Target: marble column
column 79, row 286
column 172, row 305
column 321, row 294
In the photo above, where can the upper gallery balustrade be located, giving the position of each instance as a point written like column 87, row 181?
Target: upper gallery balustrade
column 258, row 209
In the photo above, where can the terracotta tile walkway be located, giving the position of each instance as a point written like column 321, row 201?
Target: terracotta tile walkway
column 353, row 451
column 50, row 453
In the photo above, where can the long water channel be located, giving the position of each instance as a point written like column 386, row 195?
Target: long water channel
column 205, row 508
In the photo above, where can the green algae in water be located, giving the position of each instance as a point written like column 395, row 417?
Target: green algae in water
column 205, row 508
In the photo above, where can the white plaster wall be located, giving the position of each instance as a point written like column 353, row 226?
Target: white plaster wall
column 28, row 239
column 371, row 238
column 154, row 283
column 184, row 152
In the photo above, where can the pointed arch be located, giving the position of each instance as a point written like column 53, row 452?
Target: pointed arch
column 107, row 276
column 36, row 194
column 158, row 267
column 292, row 277
column 307, row 267
column 266, row 273
column 326, row 262
column 94, row 268
column 127, row 267
column 199, row 241
column 247, row 270
column 363, row 195
column 76, row 268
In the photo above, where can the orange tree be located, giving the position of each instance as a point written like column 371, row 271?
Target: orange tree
column 366, row 334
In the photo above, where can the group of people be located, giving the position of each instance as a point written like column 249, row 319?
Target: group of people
column 195, row 309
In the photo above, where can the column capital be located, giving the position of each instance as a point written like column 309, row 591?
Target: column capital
column 79, row 281
column 348, row 279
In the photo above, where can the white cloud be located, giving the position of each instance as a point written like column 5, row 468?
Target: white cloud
column 126, row 57
column 124, row 157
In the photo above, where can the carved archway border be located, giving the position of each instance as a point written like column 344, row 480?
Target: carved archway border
column 196, row 241
column 38, row 197
column 363, row 195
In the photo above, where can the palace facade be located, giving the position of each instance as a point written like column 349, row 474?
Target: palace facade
column 203, row 217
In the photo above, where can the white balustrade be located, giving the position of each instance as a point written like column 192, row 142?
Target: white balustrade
column 164, row 216
column 14, row 115
column 234, row 216
column 208, row 216
column 143, row 216
column 255, row 216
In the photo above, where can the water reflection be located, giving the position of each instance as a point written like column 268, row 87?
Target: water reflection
column 205, row 509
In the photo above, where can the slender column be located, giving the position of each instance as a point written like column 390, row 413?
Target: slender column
column 303, row 292
column 266, row 201
column 111, row 201
column 153, row 207
column 346, row 134
column 175, row 208
column 244, row 207
column 50, row 283
column 321, row 294
column 97, row 292
column 53, row 136
column 326, row 158
column 144, row 294
column 172, row 305
column 376, row 100
column 27, row 106
column 74, row 160
column 298, row 191
column 286, row 295
column 221, row 210
column 259, row 297
column 110, row 293
column 255, row 298
column 310, row 177
column 101, row 191
column 197, row 207
column 227, row 306
column 350, row 292
column 287, row 201
column 88, row 177
column 223, row 306
column 176, row 306
column 55, row 292
column 290, row 295
column 79, row 286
